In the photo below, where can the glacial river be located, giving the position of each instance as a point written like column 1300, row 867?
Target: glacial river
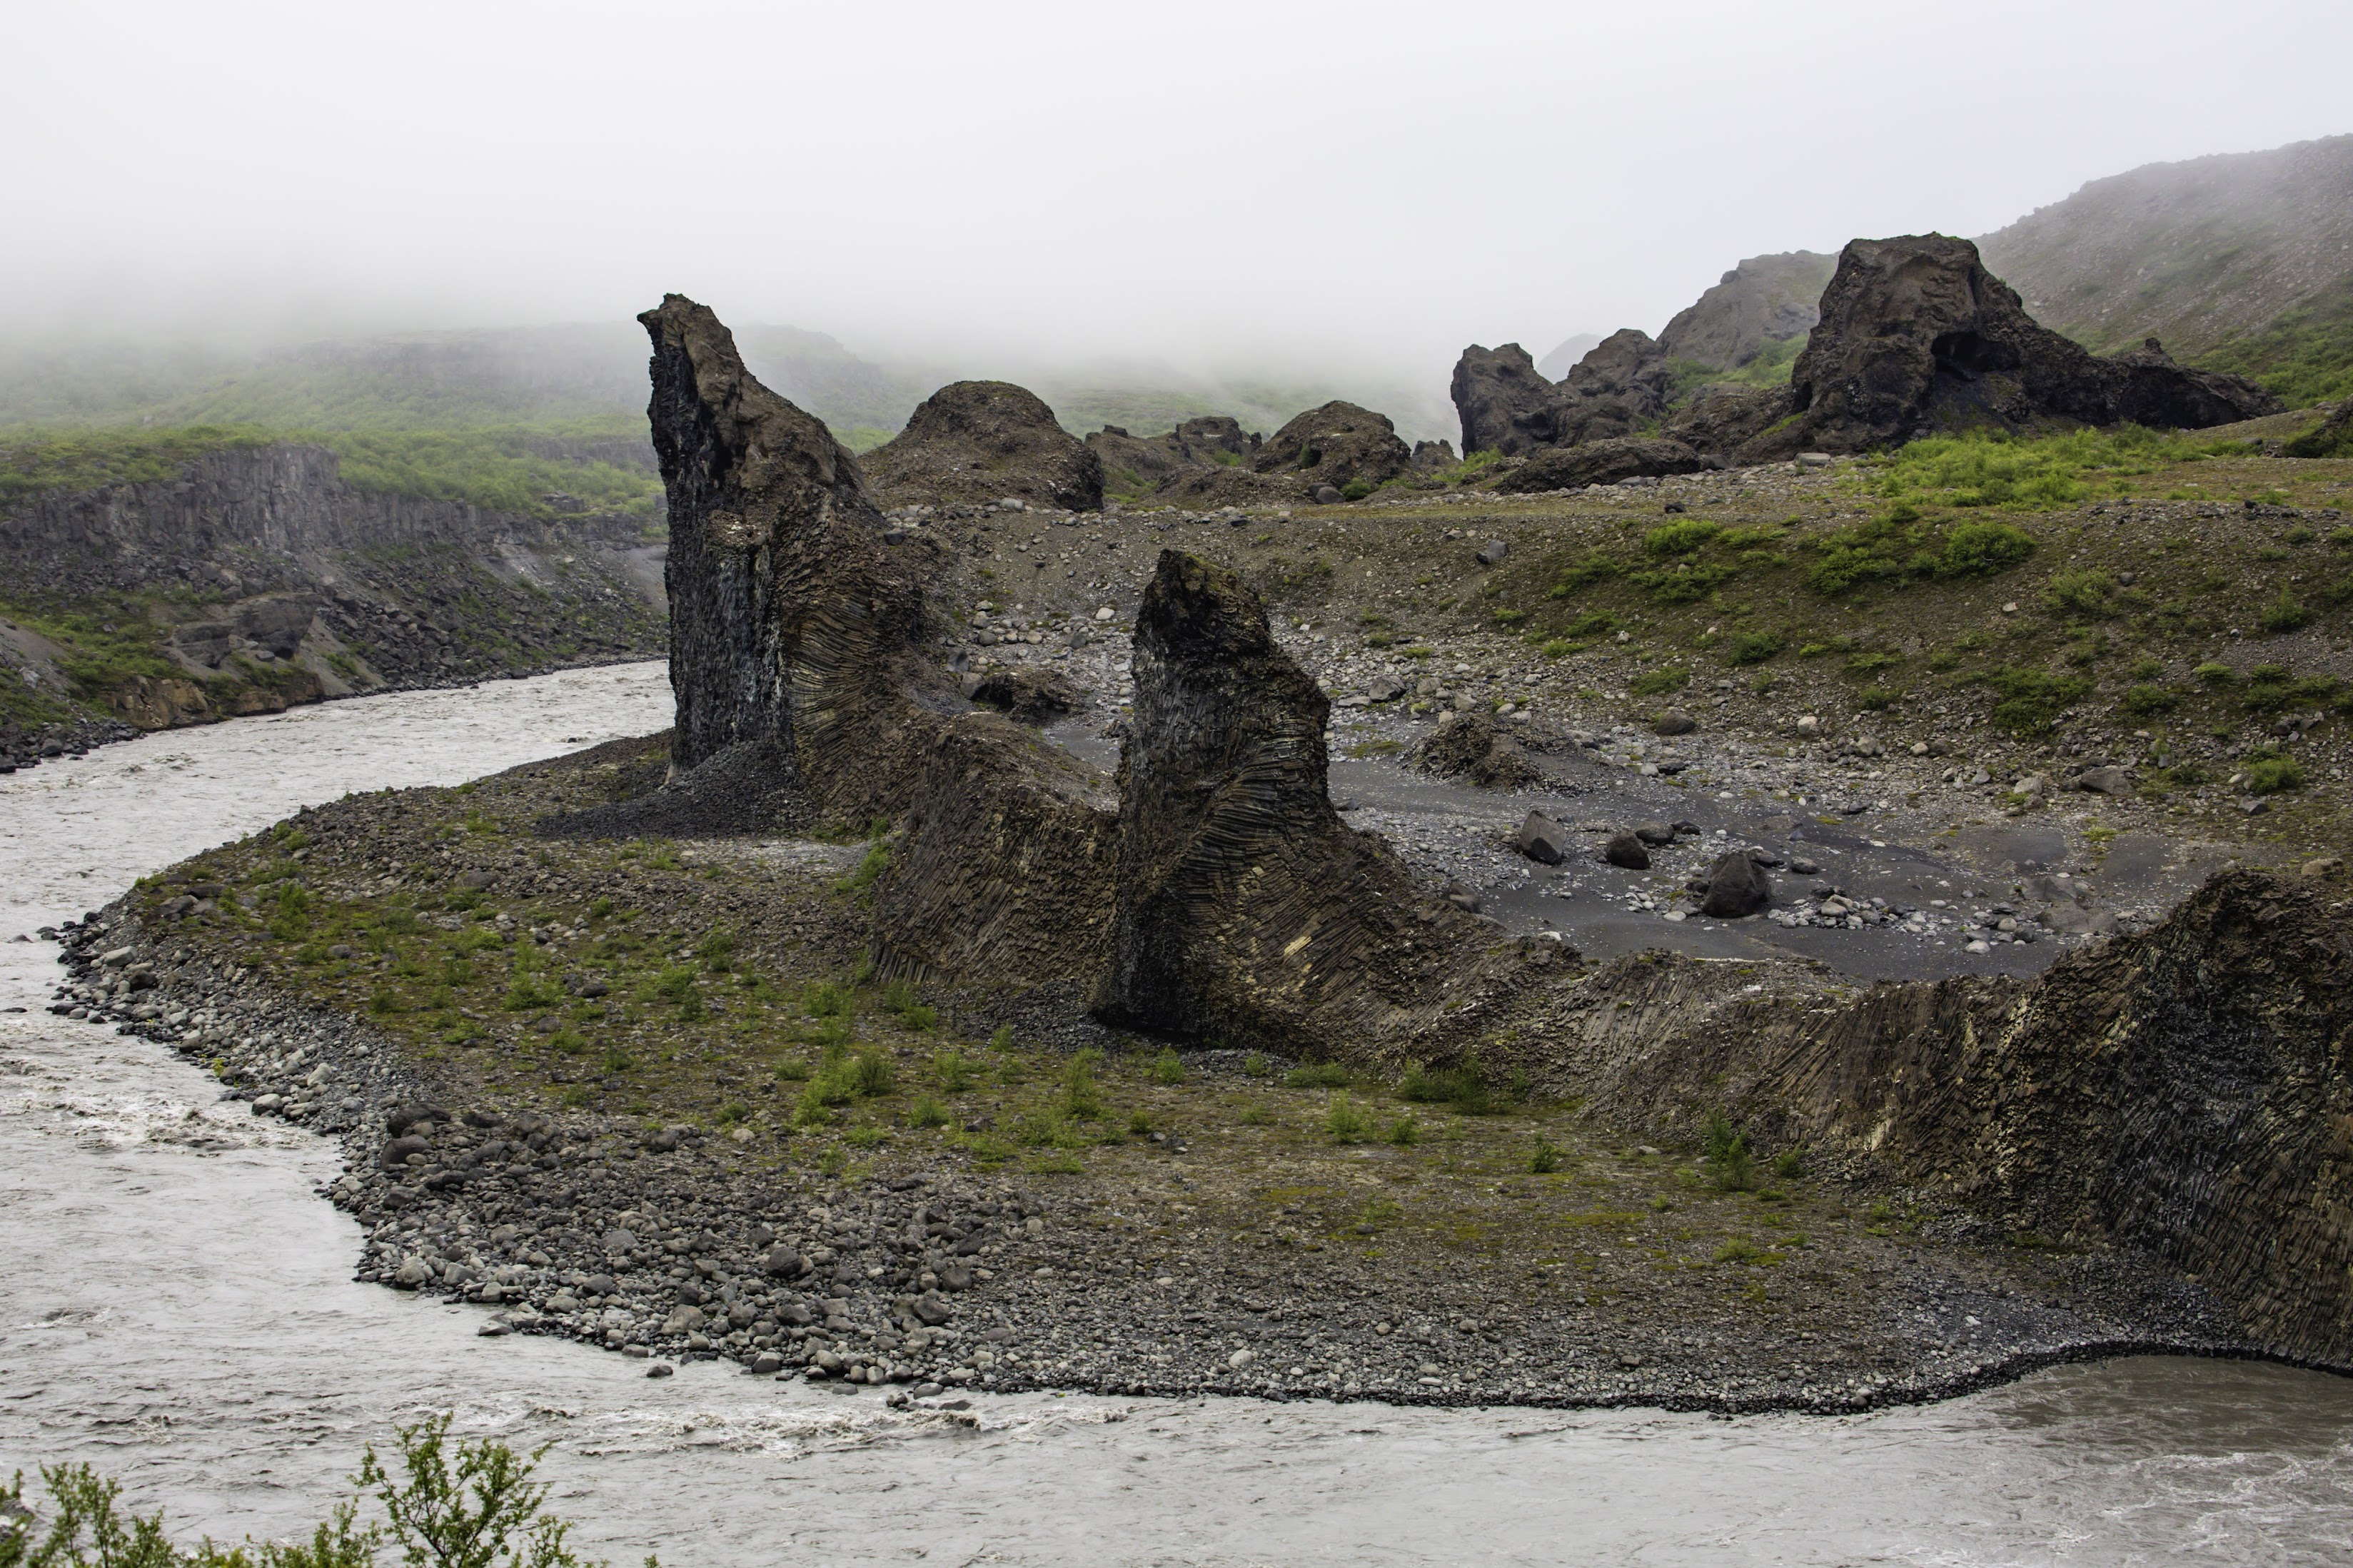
column 176, row 1309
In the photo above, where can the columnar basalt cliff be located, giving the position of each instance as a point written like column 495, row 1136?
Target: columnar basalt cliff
column 2188, row 1091
column 1247, row 910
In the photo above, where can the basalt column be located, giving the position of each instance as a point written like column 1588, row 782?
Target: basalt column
column 1248, row 912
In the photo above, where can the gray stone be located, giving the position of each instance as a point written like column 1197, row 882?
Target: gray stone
column 1655, row 834
column 1493, row 551
column 1736, row 886
column 1541, row 839
column 1803, row 867
column 1326, row 495
column 1625, row 851
column 413, row 1272
column 1676, row 721
column 2105, row 781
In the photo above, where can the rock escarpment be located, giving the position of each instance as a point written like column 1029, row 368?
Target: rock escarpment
column 1144, row 463
column 979, row 441
column 2188, row 1091
column 1917, row 336
column 1246, row 911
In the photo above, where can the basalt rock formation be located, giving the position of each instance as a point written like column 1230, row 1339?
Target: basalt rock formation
column 1505, row 405
column 1246, row 911
column 2188, row 1091
column 1335, row 444
column 1917, row 336
column 1601, row 463
column 978, row 441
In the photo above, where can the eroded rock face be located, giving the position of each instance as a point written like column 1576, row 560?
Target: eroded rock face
column 2188, row 1091
column 1336, row 445
column 1765, row 300
column 975, row 441
column 1917, row 336
column 1506, row 405
column 1247, row 910
column 1472, row 746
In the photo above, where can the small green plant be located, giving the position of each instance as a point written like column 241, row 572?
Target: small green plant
column 870, row 1075
column 1139, row 1122
column 2083, row 591
column 792, row 1070
column 860, row 881
column 927, row 1112
column 1680, row 537
column 717, row 950
column 2285, row 614
column 1464, row 1087
column 1731, row 1167
column 1754, row 648
column 1002, row 1040
column 2213, row 672
column 1788, row 1162
column 1543, row 1159
column 1256, row 1115
column 954, row 1072
column 1404, row 1131
column 1167, row 1068
column 1082, row 1096
column 1660, row 682
column 1345, row 1121
column 2272, row 772
column 1318, row 1075
column 1739, row 1249
column 733, row 1112
column 1255, row 1065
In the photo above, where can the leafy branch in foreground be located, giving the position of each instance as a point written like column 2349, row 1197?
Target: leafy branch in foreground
column 467, row 1505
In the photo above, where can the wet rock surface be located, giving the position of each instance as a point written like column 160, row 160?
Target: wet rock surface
column 1336, row 445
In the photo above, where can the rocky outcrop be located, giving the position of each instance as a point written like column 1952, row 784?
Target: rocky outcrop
column 978, row 441
column 1601, row 463
column 1763, row 300
column 1621, row 384
column 2332, row 437
column 1337, row 444
column 1246, row 911
column 1144, row 463
column 1917, row 336
column 2188, row 1091
column 1472, row 746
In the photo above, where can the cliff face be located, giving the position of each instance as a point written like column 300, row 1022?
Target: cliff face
column 1764, row 300
column 2188, row 1091
column 265, row 580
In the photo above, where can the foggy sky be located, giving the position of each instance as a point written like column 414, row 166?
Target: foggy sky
column 1202, row 183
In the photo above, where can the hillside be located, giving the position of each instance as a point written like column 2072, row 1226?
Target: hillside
column 2242, row 261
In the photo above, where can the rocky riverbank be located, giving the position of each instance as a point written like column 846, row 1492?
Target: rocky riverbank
column 638, row 1095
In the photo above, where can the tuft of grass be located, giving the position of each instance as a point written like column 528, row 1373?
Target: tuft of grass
column 953, row 1071
column 1543, row 1159
column 1404, row 1131
column 1256, row 1115
column 1318, row 1075
column 1739, row 1249
column 1731, row 1167
column 927, row 1112
column 1660, row 682
column 1167, row 1068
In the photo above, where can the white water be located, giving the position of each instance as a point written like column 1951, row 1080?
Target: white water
column 176, row 1309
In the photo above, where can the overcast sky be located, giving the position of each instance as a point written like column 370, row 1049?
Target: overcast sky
column 1202, row 183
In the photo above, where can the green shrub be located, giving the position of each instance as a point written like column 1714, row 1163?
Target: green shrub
column 1680, row 537
column 869, row 871
column 1082, row 1098
column 1981, row 549
column 1167, row 1068
column 927, row 1112
column 2148, row 702
column 1872, row 699
column 2272, row 773
column 2084, row 591
column 1594, row 568
column 1345, row 1121
column 1739, row 1249
column 2031, row 699
column 954, row 1072
column 1256, row 1116
column 1255, row 1065
column 1557, row 647
column 2215, row 673
column 1754, row 648
column 2284, row 613
column 1543, row 1159
column 1318, row 1075
column 1658, row 682
column 1788, row 1162
column 870, row 1074
column 1356, row 489
column 1464, row 1087
column 1731, row 1166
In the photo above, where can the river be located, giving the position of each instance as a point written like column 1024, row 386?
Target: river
column 176, row 1309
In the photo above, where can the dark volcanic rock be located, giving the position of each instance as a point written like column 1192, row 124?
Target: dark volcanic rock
column 1335, row 444
column 1601, row 463
column 983, row 441
column 1541, row 839
column 1764, row 300
column 2186, row 1092
column 1248, row 912
column 1627, row 853
column 2332, row 437
column 1917, row 336
column 1030, row 696
column 1736, row 888
column 1471, row 746
column 1505, row 405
